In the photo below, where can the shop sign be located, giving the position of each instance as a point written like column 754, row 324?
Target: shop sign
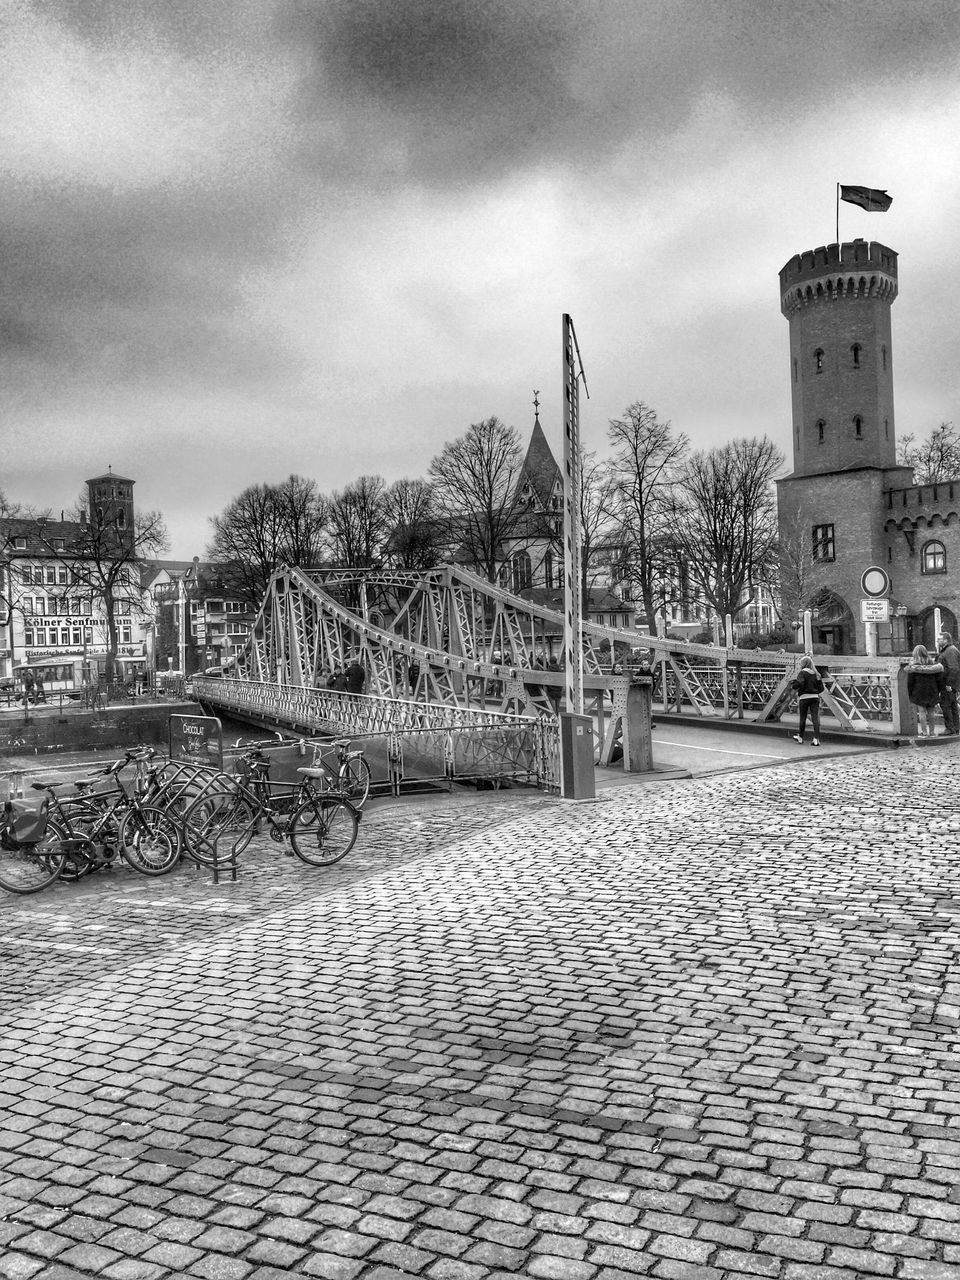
column 196, row 738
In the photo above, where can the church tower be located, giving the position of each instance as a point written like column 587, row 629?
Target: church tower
column 110, row 504
column 837, row 300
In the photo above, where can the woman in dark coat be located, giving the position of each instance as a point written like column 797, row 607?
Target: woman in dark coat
column 809, row 687
column 925, row 679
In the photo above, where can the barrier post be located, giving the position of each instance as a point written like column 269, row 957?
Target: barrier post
column 637, row 738
column 904, row 712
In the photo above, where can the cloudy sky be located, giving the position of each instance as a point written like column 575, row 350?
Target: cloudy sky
column 244, row 238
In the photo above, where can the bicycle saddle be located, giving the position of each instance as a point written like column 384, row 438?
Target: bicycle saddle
column 313, row 773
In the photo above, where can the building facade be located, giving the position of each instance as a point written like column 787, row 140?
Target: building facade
column 53, row 618
column 847, row 505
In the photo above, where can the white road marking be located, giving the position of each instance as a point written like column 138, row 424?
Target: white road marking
column 723, row 751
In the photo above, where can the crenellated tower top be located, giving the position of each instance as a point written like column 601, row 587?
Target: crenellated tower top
column 854, row 269
column 837, row 299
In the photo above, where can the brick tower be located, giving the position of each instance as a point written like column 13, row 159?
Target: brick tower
column 110, row 500
column 837, row 301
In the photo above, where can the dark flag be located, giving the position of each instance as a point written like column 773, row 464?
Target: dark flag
column 867, row 198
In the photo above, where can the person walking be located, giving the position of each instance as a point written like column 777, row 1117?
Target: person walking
column 924, row 686
column 949, row 656
column 355, row 675
column 809, row 687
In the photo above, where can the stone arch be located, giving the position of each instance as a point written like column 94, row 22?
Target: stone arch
column 833, row 622
column 921, row 629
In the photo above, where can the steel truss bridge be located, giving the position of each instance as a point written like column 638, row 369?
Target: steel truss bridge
column 448, row 655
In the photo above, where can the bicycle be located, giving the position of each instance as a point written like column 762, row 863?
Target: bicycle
column 322, row 827
column 33, row 847
column 352, row 773
column 104, row 826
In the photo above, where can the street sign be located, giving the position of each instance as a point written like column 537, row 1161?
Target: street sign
column 874, row 610
column 875, row 582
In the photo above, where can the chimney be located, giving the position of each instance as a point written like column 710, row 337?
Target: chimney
column 83, row 516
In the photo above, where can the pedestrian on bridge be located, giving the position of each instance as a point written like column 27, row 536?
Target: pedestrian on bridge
column 809, row 687
column 356, row 676
column 925, row 683
column 949, row 656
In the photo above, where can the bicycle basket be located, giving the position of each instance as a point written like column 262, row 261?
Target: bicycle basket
column 24, row 821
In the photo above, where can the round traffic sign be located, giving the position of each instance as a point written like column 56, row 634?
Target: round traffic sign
column 875, row 581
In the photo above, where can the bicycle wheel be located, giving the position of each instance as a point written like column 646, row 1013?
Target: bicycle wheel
column 323, row 831
column 217, row 825
column 150, row 840
column 354, row 780
column 92, row 836
column 34, row 866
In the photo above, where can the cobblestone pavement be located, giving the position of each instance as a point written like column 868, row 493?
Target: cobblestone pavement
column 704, row 1029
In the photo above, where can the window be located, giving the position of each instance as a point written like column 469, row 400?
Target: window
column 40, row 606
column 823, row 543
column 64, row 636
column 886, row 428
column 858, row 427
column 62, row 575
column 28, row 637
column 26, row 604
column 933, row 558
column 38, row 576
column 820, row 429
column 76, row 636
column 51, row 574
column 855, row 353
column 125, row 635
column 795, row 372
column 818, row 360
column 520, row 570
column 883, row 356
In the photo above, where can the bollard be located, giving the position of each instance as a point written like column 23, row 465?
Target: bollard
column 638, row 742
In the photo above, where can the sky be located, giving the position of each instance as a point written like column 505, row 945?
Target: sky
column 247, row 238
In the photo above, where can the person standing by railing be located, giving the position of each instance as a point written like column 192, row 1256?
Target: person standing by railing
column 924, row 687
column 949, row 656
column 809, row 687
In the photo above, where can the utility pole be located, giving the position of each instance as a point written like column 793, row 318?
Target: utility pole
column 572, row 595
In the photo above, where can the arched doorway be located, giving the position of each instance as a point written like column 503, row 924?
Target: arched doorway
column 921, row 629
column 833, row 624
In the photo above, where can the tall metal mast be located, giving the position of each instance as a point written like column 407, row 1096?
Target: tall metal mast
column 572, row 595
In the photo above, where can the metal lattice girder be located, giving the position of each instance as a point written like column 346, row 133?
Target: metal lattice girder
column 466, row 642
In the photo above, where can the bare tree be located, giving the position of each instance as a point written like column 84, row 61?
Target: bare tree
column 934, row 459
column 794, row 573
column 266, row 526
column 415, row 538
column 474, row 480
column 646, row 458
column 724, row 521
column 359, row 523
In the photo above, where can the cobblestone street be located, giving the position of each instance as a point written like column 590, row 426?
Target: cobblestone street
column 698, row 1029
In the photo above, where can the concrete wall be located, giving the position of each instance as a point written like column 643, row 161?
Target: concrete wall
column 43, row 730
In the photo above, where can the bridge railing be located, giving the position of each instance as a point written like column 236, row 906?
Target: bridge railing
column 419, row 741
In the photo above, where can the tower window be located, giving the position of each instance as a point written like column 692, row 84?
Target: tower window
column 858, row 427
column 795, row 373
column 855, row 353
column 883, row 356
column 818, row 360
column 821, row 425
column 886, row 428
column 823, row 543
column 933, row 558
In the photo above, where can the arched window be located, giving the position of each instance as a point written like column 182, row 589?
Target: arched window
column 795, row 372
column 855, row 353
column 548, row 568
column 820, row 429
column 818, row 360
column 933, row 558
column 858, row 427
column 520, row 572
column 883, row 356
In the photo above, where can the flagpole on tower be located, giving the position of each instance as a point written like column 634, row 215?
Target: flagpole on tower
column 838, row 213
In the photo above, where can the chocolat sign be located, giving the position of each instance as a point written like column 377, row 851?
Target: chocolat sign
column 198, row 739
